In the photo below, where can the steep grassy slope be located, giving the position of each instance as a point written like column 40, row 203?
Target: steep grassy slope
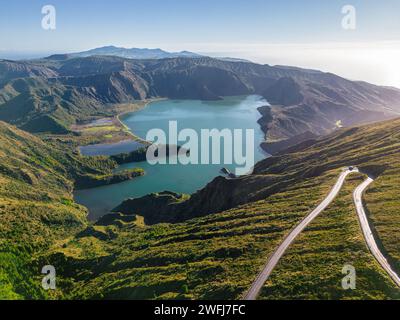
column 36, row 205
column 219, row 255
column 382, row 202
column 37, row 105
column 312, row 267
column 212, row 257
column 333, row 239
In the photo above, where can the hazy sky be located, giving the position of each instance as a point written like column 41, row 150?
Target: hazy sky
column 305, row 33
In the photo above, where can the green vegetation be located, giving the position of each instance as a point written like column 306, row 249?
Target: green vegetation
column 214, row 257
column 36, row 205
column 312, row 266
column 210, row 255
column 101, row 129
column 219, row 255
column 134, row 156
column 93, row 181
column 17, row 274
column 222, row 234
column 139, row 155
column 383, row 204
column 95, row 130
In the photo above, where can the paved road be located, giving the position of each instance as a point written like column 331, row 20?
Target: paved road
column 369, row 238
column 255, row 288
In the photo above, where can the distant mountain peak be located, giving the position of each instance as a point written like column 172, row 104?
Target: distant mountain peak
column 134, row 53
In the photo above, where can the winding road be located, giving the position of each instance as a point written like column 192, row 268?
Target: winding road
column 257, row 285
column 369, row 238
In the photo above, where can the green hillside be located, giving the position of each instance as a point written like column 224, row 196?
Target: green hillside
column 36, row 204
column 210, row 255
column 218, row 255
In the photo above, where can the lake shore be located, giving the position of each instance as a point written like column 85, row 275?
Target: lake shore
column 111, row 130
column 126, row 112
column 232, row 113
column 125, row 133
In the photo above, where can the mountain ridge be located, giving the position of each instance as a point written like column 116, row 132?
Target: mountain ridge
column 130, row 53
column 60, row 92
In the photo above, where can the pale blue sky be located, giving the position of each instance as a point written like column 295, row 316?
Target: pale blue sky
column 84, row 24
column 275, row 32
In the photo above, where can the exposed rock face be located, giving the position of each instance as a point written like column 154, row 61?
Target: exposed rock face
column 218, row 195
column 15, row 69
column 285, row 91
column 150, row 207
column 274, row 148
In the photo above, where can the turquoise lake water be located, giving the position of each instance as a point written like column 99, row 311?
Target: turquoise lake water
column 231, row 113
